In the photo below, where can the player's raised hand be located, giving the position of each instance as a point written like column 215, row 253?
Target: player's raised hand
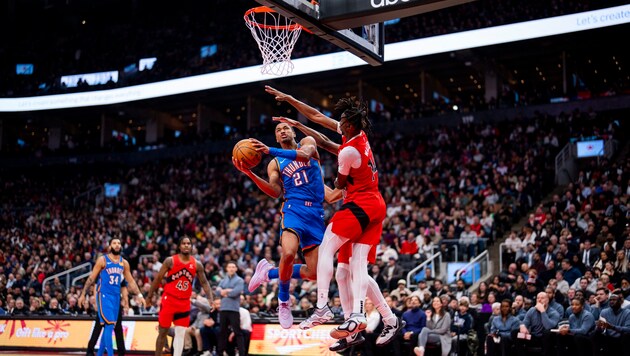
column 280, row 96
column 259, row 146
column 285, row 120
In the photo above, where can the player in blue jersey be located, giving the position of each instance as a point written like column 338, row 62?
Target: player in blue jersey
column 118, row 330
column 110, row 271
column 296, row 175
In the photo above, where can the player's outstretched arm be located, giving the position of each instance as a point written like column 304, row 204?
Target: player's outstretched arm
column 133, row 286
column 157, row 281
column 321, row 140
column 332, row 195
column 307, row 150
column 98, row 267
column 201, row 274
column 310, row 112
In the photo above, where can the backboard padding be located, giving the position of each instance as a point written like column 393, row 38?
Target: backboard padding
column 308, row 15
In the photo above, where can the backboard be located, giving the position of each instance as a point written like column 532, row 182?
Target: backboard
column 354, row 25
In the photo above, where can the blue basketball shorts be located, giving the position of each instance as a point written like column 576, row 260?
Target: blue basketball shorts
column 307, row 222
column 107, row 307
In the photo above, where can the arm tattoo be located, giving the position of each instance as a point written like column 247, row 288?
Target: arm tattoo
column 87, row 285
column 134, row 288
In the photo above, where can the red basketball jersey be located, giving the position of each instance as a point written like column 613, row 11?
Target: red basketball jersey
column 365, row 178
column 179, row 278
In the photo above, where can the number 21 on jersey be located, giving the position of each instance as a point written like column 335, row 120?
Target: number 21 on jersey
column 300, row 178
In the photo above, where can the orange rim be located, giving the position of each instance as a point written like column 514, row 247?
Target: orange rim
column 262, row 9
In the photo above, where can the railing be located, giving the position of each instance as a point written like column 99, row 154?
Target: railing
column 421, row 267
column 565, row 160
column 501, row 247
column 456, row 248
column 148, row 256
column 454, row 243
column 484, row 261
column 78, row 278
column 66, row 274
column 98, row 189
column 609, row 148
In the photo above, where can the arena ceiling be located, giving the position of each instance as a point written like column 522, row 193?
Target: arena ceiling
column 460, row 73
column 537, row 62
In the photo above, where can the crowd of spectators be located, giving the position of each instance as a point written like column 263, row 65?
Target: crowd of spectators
column 74, row 47
column 440, row 184
column 574, row 250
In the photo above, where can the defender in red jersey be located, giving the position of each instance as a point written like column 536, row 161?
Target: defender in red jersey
column 360, row 219
column 358, row 222
column 179, row 272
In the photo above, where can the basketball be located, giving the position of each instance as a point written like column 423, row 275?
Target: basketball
column 245, row 152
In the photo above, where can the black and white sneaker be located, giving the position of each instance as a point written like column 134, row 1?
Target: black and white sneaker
column 343, row 344
column 356, row 323
column 389, row 331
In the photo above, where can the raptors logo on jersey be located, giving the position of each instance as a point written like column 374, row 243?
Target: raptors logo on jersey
column 180, row 277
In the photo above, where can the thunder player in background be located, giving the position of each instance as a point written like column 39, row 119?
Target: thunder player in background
column 179, row 271
column 359, row 221
column 296, row 175
column 118, row 329
column 110, row 270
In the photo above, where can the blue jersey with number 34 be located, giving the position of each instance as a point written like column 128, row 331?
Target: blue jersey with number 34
column 111, row 277
column 108, row 291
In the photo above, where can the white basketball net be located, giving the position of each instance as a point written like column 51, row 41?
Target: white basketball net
column 276, row 35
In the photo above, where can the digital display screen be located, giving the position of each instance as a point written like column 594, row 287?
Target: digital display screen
column 467, row 276
column 208, row 51
column 71, row 81
column 590, row 148
column 112, row 190
column 24, row 69
column 147, row 63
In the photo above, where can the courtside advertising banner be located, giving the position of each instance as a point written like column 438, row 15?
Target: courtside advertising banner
column 71, row 334
column 272, row 339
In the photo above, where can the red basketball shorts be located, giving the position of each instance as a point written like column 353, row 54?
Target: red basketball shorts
column 361, row 220
column 174, row 311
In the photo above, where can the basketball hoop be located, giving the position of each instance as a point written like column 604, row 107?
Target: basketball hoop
column 276, row 35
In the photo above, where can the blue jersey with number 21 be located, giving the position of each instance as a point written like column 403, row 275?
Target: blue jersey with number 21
column 302, row 210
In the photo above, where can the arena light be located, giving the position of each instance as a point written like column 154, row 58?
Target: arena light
column 590, row 20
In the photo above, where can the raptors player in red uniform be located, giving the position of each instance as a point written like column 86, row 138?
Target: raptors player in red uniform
column 359, row 222
column 179, row 271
